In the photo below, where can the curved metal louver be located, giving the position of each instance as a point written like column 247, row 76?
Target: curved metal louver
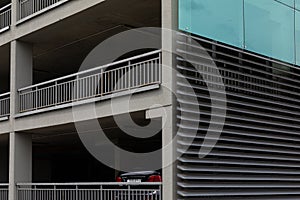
column 258, row 154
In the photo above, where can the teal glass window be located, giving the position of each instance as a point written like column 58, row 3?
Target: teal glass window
column 297, row 4
column 214, row 19
column 298, row 38
column 288, row 2
column 184, row 14
column 269, row 29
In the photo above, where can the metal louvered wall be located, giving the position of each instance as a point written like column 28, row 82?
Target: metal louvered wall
column 258, row 153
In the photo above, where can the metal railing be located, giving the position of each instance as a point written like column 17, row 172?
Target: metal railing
column 120, row 76
column 30, row 7
column 90, row 191
column 5, row 17
column 3, row 191
column 4, row 105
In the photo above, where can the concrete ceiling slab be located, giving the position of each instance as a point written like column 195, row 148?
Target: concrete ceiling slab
column 59, row 49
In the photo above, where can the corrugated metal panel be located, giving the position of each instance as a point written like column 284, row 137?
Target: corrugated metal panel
column 258, row 153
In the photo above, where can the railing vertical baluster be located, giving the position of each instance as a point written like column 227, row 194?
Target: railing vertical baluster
column 36, row 96
column 159, row 68
column 54, row 191
column 129, row 74
column 128, row 192
column 76, row 193
column 101, row 192
column 77, row 88
column 20, row 9
column 34, row 193
column 102, row 82
column 56, row 94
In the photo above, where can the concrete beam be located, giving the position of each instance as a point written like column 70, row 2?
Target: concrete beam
column 5, row 127
column 138, row 102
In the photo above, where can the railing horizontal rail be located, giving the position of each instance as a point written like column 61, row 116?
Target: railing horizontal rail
column 90, row 184
column 91, row 191
column 4, row 105
column 5, row 7
column 4, row 94
column 127, row 74
column 5, row 16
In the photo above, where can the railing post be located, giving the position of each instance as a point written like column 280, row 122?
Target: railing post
column 77, row 88
column 34, row 193
column 19, row 12
column 129, row 76
column 76, row 192
column 33, row 6
column 19, row 101
column 159, row 68
column 101, row 192
column 56, row 95
column 129, row 192
column 54, row 196
column 36, row 98
column 102, row 82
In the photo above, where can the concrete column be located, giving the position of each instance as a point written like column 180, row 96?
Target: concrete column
column 20, row 161
column 14, row 12
column 168, row 154
column 21, row 71
column 169, row 24
column 20, row 145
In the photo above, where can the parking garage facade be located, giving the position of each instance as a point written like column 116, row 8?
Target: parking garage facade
column 51, row 96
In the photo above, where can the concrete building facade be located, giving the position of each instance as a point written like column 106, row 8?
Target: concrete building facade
column 225, row 117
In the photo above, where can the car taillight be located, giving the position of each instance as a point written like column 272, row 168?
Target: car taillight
column 154, row 178
column 118, row 179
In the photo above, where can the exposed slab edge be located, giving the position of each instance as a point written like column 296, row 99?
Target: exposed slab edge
column 137, row 90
